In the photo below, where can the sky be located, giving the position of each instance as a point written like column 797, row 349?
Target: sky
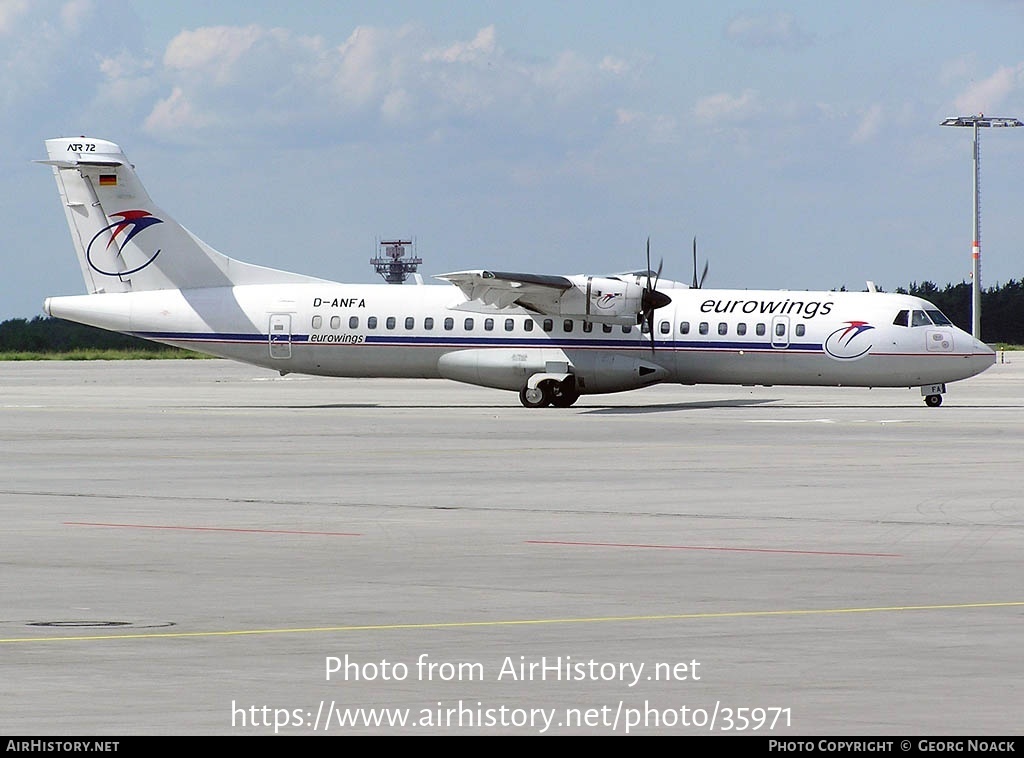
column 798, row 142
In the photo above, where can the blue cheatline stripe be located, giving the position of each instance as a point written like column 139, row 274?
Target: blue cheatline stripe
column 486, row 342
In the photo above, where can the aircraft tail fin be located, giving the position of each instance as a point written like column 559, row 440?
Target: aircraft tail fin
column 124, row 241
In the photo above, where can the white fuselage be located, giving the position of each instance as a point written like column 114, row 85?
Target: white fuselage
column 703, row 336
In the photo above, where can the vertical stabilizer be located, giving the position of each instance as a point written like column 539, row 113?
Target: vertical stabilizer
column 126, row 243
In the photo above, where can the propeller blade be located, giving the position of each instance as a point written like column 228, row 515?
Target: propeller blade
column 648, row 263
column 695, row 284
column 698, row 283
column 651, row 299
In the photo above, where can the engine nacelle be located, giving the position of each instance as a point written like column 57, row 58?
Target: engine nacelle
column 514, row 368
column 602, row 299
column 500, row 368
column 600, row 371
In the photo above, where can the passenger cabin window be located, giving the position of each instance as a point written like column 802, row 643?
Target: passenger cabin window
column 567, row 325
column 428, row 323
column 547, row 325
column 588, row 326
column 665, row 327
column 528, row 325
column 684, row 328
column 741, row 329
column 606, row 328
column 410, row 322
column 780, row 329
column 353, row 322
column 488, row 324
column 318, row 322
column 627, row 329
column 371, row 322
column 703, row 328
column 390, row 323
column 509, row 325
column 449, row 324
column 723, row 328
column 801, row 329
column 468, row 324
column 759, row 329
column 902, row 319
column 335, row 322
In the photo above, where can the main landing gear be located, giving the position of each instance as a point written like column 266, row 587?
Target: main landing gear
column 550, row 392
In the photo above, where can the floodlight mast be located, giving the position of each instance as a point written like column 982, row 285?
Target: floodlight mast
column 980, row 120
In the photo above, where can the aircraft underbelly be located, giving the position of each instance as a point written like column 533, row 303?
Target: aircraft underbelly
column 817, row 369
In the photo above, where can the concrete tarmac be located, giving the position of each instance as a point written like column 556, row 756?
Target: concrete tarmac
column 206, row 548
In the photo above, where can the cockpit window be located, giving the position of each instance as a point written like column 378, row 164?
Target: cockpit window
column 920, row 318
column 902, row 319
column 939, row 318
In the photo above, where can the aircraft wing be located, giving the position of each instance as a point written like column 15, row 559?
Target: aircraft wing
column 501, row 289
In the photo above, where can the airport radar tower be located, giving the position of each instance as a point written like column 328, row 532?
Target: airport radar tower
column 392, row 263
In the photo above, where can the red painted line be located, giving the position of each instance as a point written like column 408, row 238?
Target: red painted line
column 702, row 547
column 213, row 529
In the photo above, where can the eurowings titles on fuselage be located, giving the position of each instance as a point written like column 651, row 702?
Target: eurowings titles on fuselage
column 549, row 338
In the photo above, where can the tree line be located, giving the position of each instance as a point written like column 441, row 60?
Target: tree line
column 1002, row 322
column 54, row 335
column 1002, row 308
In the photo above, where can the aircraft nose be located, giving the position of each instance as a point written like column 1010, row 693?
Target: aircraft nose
column 984, row 355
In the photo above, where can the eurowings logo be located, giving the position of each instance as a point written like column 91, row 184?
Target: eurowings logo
column 846, row 344
column 131, row 223
column 607, row 300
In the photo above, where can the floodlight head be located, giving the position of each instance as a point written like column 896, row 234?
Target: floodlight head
column 982, row 120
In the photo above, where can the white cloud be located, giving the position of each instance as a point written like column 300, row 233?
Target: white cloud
column 75, row 13
column 41, row 43
column 256, row 80
column 483, row 46
column 726, row 107
column 767, row 30
column 615, row 66
column 870, row 123
column 11, row 12
column 363, row 68
column 397, row 106
column 652, row 128
column 129, row 80
column 176, row 114
column 625, row 116
column 214, row 49
column 990, row 93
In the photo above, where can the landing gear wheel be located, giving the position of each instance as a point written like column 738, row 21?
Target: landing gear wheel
column 535, row 398
column 933, row 401
column 564, row 393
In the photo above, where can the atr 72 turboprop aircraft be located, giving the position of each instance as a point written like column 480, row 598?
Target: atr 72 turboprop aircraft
column 549, row 338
